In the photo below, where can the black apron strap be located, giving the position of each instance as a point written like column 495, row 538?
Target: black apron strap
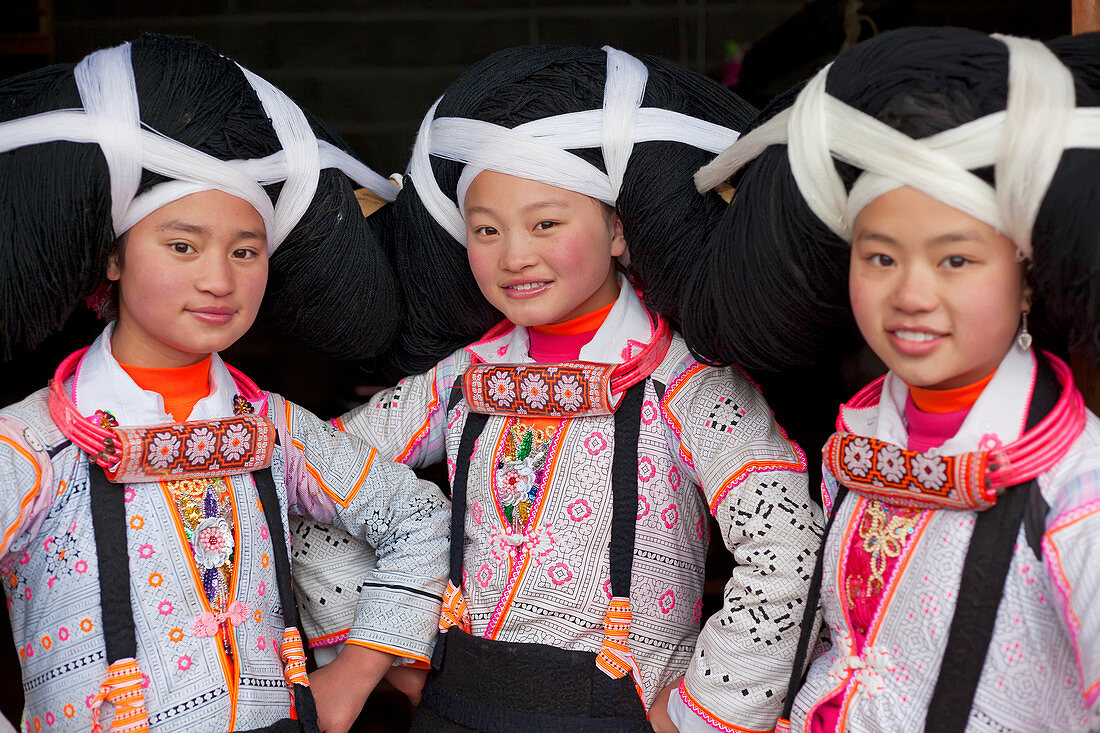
column 475, row 423
column 304, row 704
column 113, row 558
column 624, row 488
column 809, row 613
column 982, row 584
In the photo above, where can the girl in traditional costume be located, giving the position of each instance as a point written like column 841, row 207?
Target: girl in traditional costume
column 146, row 491
column 941, row 186
column 587, row 449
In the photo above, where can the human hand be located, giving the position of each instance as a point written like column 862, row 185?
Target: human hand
column 409, row 681
column 341, row 687
column 658, row 711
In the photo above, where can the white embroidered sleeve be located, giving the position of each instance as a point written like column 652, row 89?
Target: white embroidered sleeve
column 405, row 422
column 754, row 480
column 335, row 477
column 28, row 487
column 1070, row 547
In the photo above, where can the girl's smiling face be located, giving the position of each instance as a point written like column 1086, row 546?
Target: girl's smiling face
column 190, row 276
column 937, row 293
column 540, row 254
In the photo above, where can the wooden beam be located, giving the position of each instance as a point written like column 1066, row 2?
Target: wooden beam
column 1086, row 16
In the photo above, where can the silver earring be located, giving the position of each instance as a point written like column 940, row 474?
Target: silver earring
column 1024, row 339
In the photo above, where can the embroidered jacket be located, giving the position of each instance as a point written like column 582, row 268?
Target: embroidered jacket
column 50, row 572
column 1042, row 669
column 700, row 427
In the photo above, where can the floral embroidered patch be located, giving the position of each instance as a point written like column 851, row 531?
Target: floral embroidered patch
column 879, row 469
column 540, row 390
column 240, row 444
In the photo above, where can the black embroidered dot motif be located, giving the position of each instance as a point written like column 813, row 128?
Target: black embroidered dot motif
column 392, row 398
column 725, row 415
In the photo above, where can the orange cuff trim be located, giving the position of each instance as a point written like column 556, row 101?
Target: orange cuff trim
column 420, row 659
column 329, row 639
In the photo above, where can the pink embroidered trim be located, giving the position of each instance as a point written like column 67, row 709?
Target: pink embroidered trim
column 670, row 420
column 708, row 717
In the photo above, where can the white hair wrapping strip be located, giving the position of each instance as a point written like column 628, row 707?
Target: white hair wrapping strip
column 622, row 96
column 811, row 163
column 1041, row 101
column 441, row 208
column 1025, row 142
column 105, row 82
column 303, row 160
column 538, row 150
column 110, row 118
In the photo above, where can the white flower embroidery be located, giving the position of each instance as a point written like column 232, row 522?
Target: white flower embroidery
column 869, row 669
column 535, row 392
column 930, row 471
column 164, row 449
column 212, row 542
column 891, row 464
column 540, row 543
column 514, row 481
column 567, row 392
column 200, row 446
column 857, row 457
column 501, row 389
column 236, row 442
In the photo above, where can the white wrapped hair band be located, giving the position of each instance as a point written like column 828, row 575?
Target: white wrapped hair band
column 1024, row 144
column 539, row 150
column 111, row 119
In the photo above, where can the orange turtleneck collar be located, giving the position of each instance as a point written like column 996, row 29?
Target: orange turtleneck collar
column 948, row 400
column 180, row 387
column 581, row 324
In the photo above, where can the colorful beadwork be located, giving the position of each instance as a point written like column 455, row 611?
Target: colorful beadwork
column 519, row 469
column 205, row 507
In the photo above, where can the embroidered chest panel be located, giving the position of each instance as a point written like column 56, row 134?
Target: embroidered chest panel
column 195, row 449
column 537, row 529
column 54, row 598
column 539, row 390
column 1030, row 678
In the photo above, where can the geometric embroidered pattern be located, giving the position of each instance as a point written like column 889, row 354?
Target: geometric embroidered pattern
column 884, row 471
column 191, row 450
column 569, row 389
